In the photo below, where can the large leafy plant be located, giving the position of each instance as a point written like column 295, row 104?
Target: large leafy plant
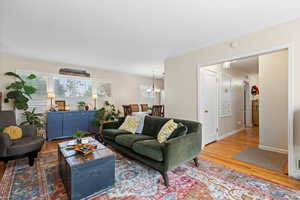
column 19, row 92
column 107, row 113
column 33, row 118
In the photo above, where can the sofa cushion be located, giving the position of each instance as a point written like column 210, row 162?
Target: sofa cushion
column 25, row 145
column 152, row 125
column 128, row 140
column 180, row 131
column 130, row 124
column 165, row 132
column 149, row 148
column 111, row 134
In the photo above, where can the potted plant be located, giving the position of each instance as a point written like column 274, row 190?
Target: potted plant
column 33, row 118
column 81, row 105
column 19, row 92
column 78, row 135
column 105, row 114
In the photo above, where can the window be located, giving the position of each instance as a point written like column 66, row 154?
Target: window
column 40, row 83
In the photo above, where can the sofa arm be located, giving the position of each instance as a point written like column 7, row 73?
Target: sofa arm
column 114, row 124
column 5, row 142
column 29, row 131
column 181, row 149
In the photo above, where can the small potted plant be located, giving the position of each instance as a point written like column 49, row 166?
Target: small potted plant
column 81, row 105
column 105, row 114
column 78, row 135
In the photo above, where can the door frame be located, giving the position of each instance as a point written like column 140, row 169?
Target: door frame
column 291, row 65
column 217, row 104
column 245, row 103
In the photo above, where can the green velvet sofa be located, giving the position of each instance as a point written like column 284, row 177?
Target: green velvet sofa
column 145, row 148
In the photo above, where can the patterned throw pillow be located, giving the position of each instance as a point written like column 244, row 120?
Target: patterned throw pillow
column 166, row 131
column 130, row 124
column 14, row 132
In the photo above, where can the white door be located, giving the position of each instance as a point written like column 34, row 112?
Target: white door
column 208, row 105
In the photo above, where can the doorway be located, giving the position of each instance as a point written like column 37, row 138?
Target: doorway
column 245, row 119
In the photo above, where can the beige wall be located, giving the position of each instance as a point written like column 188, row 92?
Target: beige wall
column 273, row 102
column 183, row 104
column 125, row 87
column 234, row 122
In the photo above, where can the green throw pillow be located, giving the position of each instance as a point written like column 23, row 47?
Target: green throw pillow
column 179, row 131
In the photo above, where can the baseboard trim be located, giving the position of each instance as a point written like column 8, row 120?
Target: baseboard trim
column 274, row 149
column 230, row 133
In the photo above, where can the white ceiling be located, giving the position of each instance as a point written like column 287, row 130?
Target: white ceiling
column 134, row 36
column 246, row 65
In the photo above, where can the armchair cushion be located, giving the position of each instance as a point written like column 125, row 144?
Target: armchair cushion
column 128, row 140
column 25, row 145
column 149, row 148
column 13, row 132
column 110, row 134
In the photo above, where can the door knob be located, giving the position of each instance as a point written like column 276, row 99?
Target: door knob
column 206, row 111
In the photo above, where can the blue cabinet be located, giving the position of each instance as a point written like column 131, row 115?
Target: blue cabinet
column 64, row 124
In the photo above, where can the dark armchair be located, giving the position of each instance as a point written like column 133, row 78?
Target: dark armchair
column 27, row 146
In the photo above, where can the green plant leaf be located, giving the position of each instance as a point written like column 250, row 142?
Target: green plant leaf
column 14, row 75
column 29, row 89
column 31, row 76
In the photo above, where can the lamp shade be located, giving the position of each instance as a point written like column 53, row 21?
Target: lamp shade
column 95, row 96
column 51, row 95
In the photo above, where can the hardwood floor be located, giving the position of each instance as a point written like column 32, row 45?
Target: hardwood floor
column 221, row 152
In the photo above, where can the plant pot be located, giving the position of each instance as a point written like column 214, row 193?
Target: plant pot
column 99, row 135
column 87, row 107
column 81, row 108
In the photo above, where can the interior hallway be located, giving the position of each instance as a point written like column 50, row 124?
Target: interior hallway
column 222, row 152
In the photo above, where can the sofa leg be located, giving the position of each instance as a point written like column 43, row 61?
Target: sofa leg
column 196, row 162
column 166, row 178
column 31, row 160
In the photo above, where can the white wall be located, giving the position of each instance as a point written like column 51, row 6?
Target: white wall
column 125, row 87
column 273, row 102
column 183, row 104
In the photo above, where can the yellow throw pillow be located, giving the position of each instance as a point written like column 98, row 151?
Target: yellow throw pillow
column 14, row 132
column 130, row 124
column 166, row 131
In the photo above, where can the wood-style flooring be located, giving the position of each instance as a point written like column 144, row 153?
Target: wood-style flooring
column 221, row 152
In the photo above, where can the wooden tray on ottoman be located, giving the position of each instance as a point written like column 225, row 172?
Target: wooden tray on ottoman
column 91, row 148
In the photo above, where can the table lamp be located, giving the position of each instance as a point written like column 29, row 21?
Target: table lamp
column 95, row 96
column 51, row 96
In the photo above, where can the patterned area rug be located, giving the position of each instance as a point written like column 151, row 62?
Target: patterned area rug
column 136, row 181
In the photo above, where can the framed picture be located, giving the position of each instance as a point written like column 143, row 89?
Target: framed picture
column 61, row 105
